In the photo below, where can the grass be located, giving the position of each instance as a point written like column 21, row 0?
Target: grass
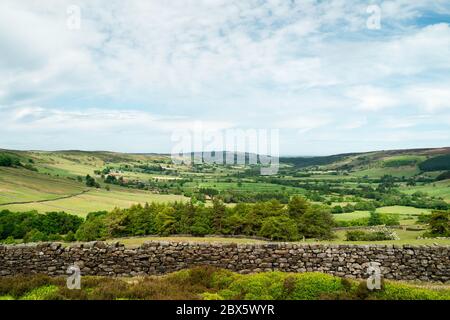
column 96, row 200
column 378, row 172
column 208, row 283
column 137, row 241
column 62, row 194
column 436, row 189
column 399, row 210
column 348, row 216
column 406, row 237
column 402, row 210
column 20, row 185
column 245, row 186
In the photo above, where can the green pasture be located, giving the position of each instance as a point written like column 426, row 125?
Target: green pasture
column 20, row 185
column 436, row 189
column 378, row 172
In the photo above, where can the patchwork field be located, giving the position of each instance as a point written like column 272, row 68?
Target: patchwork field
column 24, row 190
column 436, row 189
column 59, row 181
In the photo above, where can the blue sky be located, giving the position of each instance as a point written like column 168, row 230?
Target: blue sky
column 138, row 70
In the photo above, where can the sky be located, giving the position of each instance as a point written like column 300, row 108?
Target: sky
column 332, row 76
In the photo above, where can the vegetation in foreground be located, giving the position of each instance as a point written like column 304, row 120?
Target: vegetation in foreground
column 207, row 283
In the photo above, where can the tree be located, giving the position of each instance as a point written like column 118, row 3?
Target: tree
column 218, row 214
column 165, row 221
column 8, row 161
column 202, row 222
column 70, row 237
column 210, row 192
column 375, row 219
column 117, row 223
column 279, row 228
column 337, row 209
column 35, row 236
column 90, row 182
column 317, row 222
column 92, row 229
column 297, row 206
column 439, row 224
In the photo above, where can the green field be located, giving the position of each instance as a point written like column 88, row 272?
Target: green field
column 45, row 193
column 406, row 237
column 407, row 171
column 96, row 200
column 57, row 183
column 436, row 189
column 137, row 241
column 400, row 210
column 19, row 185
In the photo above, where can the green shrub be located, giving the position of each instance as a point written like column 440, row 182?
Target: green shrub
column 310, row 286
column 375, row 234
column 17, row 286
column 212, row 284
column 211, row 296
column 260, row 286
column 439, row 223
column 35, row 236
column 399, row 291
column 279, row 228
column 42, row 293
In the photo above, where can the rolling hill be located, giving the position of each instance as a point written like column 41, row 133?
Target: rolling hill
column 53, row 181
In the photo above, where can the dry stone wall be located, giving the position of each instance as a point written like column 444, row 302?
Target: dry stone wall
column 427, row 263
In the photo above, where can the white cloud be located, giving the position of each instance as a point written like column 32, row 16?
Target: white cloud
column 38, row 119
column 371, row 98
column 431, row 98
column 301, row 65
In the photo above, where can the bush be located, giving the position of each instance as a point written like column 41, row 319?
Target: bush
column 212, row 284
column 92, row 229
column 35, row 236
column 70, row 237
column 282, row 286
column 317, row 222
column 48, row 292
column 439, row 224
column 8, row 161
column 376, row 234
column 279, row 228
column 399, row 291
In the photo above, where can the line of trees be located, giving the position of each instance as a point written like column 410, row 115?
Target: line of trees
column 33, row 227
column 269, row 219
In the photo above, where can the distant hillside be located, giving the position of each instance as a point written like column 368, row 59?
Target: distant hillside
column 427, row 159
column 303, row 162
column 408, row 161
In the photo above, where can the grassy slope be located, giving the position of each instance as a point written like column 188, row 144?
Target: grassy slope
column 437, row 189
column 96, row 200
column 20, row 185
